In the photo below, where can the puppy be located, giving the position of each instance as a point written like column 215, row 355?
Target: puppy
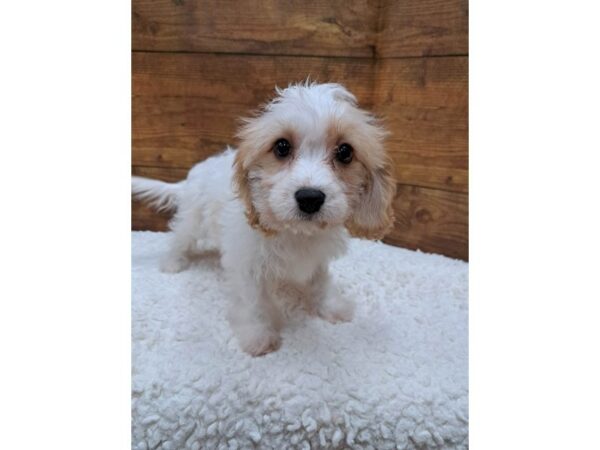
column 309, row 170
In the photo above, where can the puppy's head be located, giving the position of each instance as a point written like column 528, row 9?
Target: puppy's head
column 311, row 160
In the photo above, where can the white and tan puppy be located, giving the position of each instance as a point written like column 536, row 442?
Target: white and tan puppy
column 310, row 168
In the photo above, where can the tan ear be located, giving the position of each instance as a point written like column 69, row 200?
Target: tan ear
column 374, row 214
column 241, row 187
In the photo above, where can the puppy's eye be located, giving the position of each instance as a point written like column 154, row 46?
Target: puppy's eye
column 282, row 148
column 344, row 153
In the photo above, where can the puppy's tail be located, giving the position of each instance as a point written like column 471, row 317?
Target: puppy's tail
column 160, row 195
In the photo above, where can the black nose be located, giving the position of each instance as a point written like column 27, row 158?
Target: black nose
column 309, row 200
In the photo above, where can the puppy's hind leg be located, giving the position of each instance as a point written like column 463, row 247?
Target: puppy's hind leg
column 183, row 244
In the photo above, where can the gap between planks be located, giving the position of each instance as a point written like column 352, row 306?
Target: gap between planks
column 374, row 56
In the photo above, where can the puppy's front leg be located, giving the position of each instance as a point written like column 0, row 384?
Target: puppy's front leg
column 255, row 320
column 328, row 302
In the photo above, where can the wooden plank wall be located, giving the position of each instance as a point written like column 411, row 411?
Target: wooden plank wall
column 200, row 65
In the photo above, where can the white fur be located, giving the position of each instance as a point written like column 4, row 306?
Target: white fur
column 269, row 276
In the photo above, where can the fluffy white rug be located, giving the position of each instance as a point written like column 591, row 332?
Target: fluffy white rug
column 395, row 377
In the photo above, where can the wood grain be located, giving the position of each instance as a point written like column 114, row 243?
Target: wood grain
column 424, row 102
column 186, row 106
column 423, row 28
column 242, row 79
column 144, row 218
column 314, row 27
column 356, row 28
column 432, row 221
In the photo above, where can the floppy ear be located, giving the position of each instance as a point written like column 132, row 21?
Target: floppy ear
column 374, row 215
column 241, row 183
column 242, row 187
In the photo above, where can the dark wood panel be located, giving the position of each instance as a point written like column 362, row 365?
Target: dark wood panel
column 432, row 221
column 144, row 218
column 314, row 27
column 186, row 106
column 168, row 174
column 423, row 28
column 357, row 28
column 179, row 131
column 244, row 80
column 424, row 102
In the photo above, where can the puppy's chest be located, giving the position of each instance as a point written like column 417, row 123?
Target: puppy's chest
column 297, row 260
column 298, row 269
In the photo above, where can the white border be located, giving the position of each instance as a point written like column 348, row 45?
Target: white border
column 534, row 225
column 65, row 241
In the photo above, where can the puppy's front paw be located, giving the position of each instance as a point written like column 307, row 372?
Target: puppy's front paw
column 174, row 264
column 261, row 343
column 337, row 310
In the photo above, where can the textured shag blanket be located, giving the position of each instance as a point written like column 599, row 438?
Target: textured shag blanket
column 395, row 377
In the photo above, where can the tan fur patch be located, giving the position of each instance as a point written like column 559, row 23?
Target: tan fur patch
column 242, row 189
column 367, row 177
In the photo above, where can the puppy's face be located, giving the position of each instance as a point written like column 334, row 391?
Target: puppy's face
column 313, row 160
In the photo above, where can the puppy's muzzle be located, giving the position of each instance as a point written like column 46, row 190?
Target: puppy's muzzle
column 309, row 200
